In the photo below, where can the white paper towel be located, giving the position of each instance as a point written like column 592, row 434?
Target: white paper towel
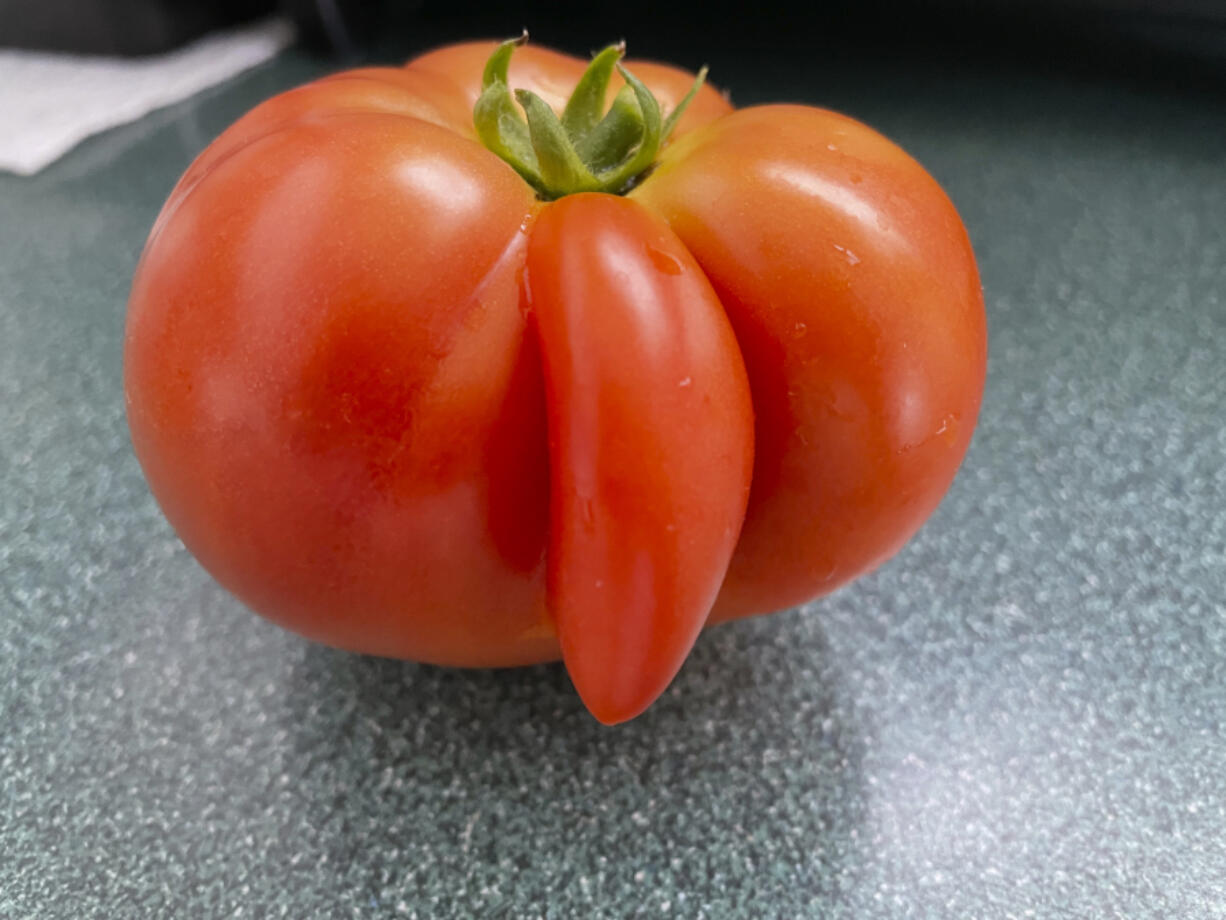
column 49, row 103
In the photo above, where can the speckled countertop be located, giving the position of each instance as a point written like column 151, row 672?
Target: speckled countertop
column 1019, row 716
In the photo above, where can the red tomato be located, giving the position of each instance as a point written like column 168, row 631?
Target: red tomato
column 400, row 404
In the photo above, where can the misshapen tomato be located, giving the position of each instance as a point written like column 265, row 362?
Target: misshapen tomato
column 396, row 401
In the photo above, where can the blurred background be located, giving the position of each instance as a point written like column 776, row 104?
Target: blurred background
column 1135, row 32
column 1022, row 714
column 76, row 67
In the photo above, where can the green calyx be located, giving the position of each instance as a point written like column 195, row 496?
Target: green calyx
column 586, row 149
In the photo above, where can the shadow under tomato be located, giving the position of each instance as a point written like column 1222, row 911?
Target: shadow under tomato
column 742, row 783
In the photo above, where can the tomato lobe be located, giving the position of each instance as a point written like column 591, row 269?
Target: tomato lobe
column 651, row 444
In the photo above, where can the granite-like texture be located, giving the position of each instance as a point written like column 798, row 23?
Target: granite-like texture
column 1019, row 716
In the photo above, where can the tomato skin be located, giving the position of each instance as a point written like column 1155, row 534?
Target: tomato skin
column 853, row 290
column 336, row 401
column 368, row 90
column 399, row 405
column 650, row 454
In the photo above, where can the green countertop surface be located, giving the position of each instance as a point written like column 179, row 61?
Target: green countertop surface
column 1021, row 715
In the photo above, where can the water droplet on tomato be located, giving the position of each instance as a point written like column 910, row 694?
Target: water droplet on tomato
column 949, row 428
column 852, row 258
column 664, row 262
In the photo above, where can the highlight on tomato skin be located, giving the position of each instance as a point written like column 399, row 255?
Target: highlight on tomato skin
column 501, row 357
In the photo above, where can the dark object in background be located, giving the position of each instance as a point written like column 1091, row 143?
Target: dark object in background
column 137, row 27
column 349, row 28
column 333, row 25
column 128, row 27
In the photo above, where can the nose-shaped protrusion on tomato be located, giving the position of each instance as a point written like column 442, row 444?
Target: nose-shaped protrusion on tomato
column 651, row 444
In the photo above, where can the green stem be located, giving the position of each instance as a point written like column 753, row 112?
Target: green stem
column 497, row 122
column 586, row 102
column 583, row 150
column 611, row 140
column 558, row 164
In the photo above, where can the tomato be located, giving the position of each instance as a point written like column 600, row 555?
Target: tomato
column 476, row 393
